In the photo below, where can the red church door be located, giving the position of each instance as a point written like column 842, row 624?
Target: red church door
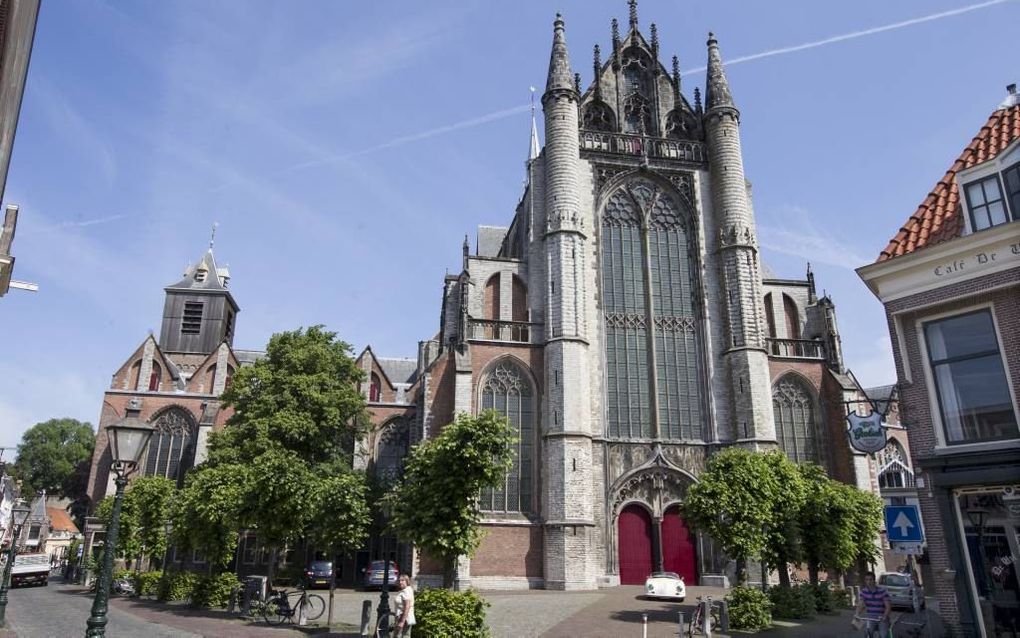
column 635, row 545
column 678, row 551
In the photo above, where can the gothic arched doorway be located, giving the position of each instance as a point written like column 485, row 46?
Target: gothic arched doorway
column 635, row 545
column 678, row 551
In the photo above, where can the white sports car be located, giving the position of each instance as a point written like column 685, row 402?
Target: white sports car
column 667, row 585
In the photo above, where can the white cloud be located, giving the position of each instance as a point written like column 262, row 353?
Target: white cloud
column 69, row 124
column 873, row 365
column 794, row 233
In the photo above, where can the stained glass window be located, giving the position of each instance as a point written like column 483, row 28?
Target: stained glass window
column 647, row 253
column 507, row 391
column 171, row 448
column 796, row 426
column 393, row 445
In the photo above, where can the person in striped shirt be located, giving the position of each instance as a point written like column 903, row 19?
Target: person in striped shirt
column 874, row 606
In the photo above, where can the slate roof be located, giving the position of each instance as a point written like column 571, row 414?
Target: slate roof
column 490, row 240
column 216, row 278
column 248, row 357
column 399, row 370
column 940, row 217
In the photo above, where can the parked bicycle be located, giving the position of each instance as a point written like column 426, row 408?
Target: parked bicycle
column 281, row 606
column 696, row 626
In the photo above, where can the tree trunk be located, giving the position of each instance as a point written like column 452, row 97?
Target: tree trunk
column 741, row 571
column 783, row 567
column 449, row 570
column 812, row 569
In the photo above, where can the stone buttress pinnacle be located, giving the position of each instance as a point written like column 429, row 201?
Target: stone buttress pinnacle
column 560, row 76
column 717, row 89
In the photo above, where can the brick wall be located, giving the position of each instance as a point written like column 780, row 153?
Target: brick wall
column 509, row 550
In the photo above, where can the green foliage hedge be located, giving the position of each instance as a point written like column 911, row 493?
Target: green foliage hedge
column 797, row 602
column 176, row 585
column 750, row 608
column 442, row 613
column 147, row 583
column 841, row 598
column 214, row 591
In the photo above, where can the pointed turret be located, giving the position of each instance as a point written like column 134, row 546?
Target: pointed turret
column 533, row 147
column 199, row 310
column 633, row 14
column 560, row 77
column 717, row 89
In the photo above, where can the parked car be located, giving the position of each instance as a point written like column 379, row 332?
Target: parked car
column 666, row 585
column 902, row 590
column 374, row 575
column 319, row 574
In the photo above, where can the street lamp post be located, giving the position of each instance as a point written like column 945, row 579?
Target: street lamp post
column 383, row 622
column 19, row 515
column 128, row 439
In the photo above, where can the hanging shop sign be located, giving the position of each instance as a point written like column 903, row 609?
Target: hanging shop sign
column 867, row 433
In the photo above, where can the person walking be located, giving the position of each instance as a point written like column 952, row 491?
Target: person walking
column 874, row 607
column 405, row 608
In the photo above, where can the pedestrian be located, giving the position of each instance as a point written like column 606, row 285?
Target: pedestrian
column 873, row 607
column 405, row 608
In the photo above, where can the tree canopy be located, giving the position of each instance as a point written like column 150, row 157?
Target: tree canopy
column 435, row 505
column 282, row 465
column 147, row 504
column 54, row 456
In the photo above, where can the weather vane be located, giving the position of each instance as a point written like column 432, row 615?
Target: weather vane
column 212, row 237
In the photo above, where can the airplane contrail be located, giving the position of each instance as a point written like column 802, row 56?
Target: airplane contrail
column 80, row 224
column 505, row 113
column 399, row 141
column 855, row 34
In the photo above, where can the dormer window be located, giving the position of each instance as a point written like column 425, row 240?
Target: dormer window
column 1011, row 176
column 986, row 203
column 200, row 274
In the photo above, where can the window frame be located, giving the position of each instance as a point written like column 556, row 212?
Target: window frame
column 187, row 322
column 1008, row 159
column 534, row 460
column 1012, row 206
column 935, row 406
column 982, row 180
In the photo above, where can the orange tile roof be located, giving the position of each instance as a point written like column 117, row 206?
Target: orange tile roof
column 60, row 521
column 940, row 217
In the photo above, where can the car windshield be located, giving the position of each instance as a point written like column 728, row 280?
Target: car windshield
column 896, row 580
column 672, row 575
column 321, row 565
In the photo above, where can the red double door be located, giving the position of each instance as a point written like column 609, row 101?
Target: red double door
column 636, row 543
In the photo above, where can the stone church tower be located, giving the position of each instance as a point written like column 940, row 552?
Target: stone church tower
column 626, row 326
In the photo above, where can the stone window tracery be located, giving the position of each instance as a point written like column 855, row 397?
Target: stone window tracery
column 171, row 449
column 647, row 248
column 508, row 391
column 393, row 446
column 893, row 466
column 796, row 424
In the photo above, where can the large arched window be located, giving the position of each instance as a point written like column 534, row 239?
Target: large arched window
column 507, row 391
column 391, row 451
column 792, row 317
column 794, row 407
column 893, row 466
column 171, row 448
column 652, row 343
column 374, row 388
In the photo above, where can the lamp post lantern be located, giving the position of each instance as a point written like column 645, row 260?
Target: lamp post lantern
column 19, row 515
column 977, row 517
column 128, row 440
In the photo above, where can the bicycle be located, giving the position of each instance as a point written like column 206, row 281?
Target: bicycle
column 281, row 606
column 392, row 617
column 696, row 625
column 872, row 626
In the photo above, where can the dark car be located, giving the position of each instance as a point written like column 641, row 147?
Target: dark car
column 319, row 574
column 374, row 575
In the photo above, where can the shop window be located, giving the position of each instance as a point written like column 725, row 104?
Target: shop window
column 970, row 381
column 990, row 534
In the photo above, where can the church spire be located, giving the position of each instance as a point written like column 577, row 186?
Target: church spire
column 533, row 148
column 633, row 13
column 560, row 78
column 717, row 89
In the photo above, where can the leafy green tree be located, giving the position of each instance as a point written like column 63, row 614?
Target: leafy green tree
column 286, row 447
column 144, row 512
column 435, row 505
column 865, row 523
column 782, row 529
column 742, row 501
column 205, row 514
column 54, row 456
column 826, row 523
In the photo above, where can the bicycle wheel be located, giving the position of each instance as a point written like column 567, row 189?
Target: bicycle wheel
column 315, row 606
column 276, row 610
column 392, row 623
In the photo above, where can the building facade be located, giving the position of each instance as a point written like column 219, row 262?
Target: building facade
column 625, row 324
column 174, row 384
column 950, row 283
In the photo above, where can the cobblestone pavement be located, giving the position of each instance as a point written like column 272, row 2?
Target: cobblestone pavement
column 56, row 611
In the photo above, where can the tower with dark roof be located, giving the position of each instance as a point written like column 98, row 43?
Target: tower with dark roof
column 199, row 311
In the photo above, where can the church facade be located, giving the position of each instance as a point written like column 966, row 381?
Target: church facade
column 625, row 324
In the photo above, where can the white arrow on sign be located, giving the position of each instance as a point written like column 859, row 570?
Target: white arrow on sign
column 903, row 523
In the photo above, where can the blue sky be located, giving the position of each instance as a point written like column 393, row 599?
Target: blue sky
column 345, row 148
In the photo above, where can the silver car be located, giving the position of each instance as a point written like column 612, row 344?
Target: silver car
column 902, row 590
